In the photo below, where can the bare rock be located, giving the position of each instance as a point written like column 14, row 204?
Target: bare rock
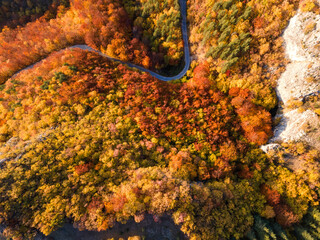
column 293, row 125
column 302, row 44
column 270, row 147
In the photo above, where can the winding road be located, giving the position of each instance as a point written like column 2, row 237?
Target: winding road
column 184, row 28
column 183, row 10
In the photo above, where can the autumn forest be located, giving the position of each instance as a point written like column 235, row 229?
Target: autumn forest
column 93, row 141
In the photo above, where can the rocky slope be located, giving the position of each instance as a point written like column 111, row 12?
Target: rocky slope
column 301, row 78
column 302, row 43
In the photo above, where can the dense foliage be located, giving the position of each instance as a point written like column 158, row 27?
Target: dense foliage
column 243, row 42
column 19, row 12
column 308, row 229
column 157, row 23
column 224, row 31
column 96, row 142
column 111, row 30
column 86, row 139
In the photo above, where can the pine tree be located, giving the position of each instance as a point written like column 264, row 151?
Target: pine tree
column 315, row 213
column 263, row 230
column 311, row 222
column 251, row 235
column 302, row 233
column 280, row 233
column 315, row 233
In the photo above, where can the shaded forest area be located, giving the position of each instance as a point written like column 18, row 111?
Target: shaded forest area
column 19, row 12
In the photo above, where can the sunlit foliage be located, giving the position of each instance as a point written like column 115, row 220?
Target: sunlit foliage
column 86, row 139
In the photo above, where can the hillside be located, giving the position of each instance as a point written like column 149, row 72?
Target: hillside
column 93, row 134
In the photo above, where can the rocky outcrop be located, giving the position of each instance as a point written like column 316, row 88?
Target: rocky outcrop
column 302, row 47
column 294, row 125
column 272, row 147
column 298, row 81
column 301, row 79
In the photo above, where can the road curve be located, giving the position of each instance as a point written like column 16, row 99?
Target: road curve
column 184, row 30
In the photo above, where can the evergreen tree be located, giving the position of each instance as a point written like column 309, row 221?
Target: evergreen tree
column 251, row 236
column 279, row 231
column 302, row 233
column 315, row 214
column 263, row 229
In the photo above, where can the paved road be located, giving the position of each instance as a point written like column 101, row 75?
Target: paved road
column 183, row 9
column 184, row 27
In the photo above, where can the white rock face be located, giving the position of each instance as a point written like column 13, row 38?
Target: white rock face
column 293, row 124
column 302, row 43
column 294, row 83
column 303, row 49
